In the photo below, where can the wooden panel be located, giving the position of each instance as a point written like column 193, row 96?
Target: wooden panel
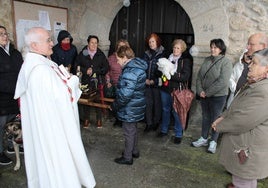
column 143, row 17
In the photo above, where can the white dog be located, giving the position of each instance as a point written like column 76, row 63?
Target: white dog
column 14, row 132
column 166, row 67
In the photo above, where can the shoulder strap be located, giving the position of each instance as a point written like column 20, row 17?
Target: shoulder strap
column 211, row 67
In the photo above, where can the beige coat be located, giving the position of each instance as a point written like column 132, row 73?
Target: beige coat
column 245, row 126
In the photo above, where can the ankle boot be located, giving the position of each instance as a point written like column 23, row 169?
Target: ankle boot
column 86, row 123
column 147, row 128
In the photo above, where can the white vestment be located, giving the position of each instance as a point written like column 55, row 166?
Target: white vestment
column 54, row 153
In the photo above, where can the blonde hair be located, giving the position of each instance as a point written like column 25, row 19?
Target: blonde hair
column 121, row 41
column 181, row 42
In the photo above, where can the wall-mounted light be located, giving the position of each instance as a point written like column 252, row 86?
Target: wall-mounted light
column 126, row 3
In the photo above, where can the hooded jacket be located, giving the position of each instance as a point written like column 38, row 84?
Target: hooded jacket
column 65, row 57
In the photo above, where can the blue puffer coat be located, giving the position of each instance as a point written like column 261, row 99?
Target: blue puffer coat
column 130, row 94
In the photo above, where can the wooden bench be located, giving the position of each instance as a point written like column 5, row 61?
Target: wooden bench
column 98, row 102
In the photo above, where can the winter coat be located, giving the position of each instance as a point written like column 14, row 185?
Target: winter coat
column 98, row 63
column 130, row 94
column 216, row 82
column 9, row 69
column 245, row 127
column 151, row 57
column 181, row 76
column 114, row 70
column 64, row 57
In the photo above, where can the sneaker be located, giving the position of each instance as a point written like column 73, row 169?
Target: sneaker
column 200, row 142
column 10, row 150
column 212, row 147
column 4, row 160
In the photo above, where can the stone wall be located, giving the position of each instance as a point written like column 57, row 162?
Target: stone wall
column 231, row 20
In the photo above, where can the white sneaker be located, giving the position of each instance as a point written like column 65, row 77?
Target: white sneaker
column 200, row 142
column 212, row 147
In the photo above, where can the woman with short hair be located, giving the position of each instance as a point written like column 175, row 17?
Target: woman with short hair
column 212, row 86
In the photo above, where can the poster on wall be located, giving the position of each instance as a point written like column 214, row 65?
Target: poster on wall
column 28, row 15
column 58, row 26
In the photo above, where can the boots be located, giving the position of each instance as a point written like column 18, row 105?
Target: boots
column 117, row 123
column 147, row 128
column 86, row 123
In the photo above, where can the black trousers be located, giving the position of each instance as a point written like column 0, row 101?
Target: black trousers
column 153, row 106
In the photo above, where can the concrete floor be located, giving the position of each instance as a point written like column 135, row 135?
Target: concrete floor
column 162, row 164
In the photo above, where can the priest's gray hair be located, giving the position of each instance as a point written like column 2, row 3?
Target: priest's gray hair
column 33, row 35
column 262, row 55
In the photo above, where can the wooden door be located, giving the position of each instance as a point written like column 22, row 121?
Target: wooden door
column 164, row 17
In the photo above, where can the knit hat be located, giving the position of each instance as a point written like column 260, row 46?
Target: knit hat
column 64, row 34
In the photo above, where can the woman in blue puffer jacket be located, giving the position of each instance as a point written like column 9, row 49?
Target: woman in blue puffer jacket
column 130, row 104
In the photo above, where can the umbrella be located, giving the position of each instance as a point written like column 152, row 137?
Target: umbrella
column 182, row 100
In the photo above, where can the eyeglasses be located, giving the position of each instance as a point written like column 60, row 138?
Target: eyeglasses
column 249, row 57
column 4, row 34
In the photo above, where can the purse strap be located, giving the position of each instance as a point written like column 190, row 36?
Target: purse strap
column 185, row 84
column 211, row 67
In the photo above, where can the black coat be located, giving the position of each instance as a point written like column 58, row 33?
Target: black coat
column 183, row 75
column 64, row 57
column 98, row 63
column 151, row 57
column 9, row 69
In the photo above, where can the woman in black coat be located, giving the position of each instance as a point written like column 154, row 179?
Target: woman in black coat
column 10, row 64
column 182, row 76
column 93, row 65
column 64, row 53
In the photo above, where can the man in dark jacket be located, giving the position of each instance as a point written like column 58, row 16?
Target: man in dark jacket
column 130, row 104
column 65, row 52
column 10, row 64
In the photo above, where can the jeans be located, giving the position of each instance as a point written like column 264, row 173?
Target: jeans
column 212, row 108
column 167, row 110
column 4, row 119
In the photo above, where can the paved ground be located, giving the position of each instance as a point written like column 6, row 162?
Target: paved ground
column 162, row 164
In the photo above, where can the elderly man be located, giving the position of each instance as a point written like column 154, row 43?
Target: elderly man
column 54, row 152
column 256, row 42
column 244, row 126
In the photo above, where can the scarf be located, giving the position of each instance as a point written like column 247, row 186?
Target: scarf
column 65, row 46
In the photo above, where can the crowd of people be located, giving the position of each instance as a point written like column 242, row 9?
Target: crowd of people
column 44, row 89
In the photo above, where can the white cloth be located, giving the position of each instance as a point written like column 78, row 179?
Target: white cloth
column 54, row 153
column 237, row 71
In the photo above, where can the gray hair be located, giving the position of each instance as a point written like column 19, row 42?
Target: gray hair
column 262, row 55
column 33, row 36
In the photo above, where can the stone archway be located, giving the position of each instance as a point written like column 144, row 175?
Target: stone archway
column 166, row 18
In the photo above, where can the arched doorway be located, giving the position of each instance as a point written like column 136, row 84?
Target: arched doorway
column 166, row 18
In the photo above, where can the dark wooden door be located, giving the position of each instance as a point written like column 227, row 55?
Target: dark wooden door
column 164, row 17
